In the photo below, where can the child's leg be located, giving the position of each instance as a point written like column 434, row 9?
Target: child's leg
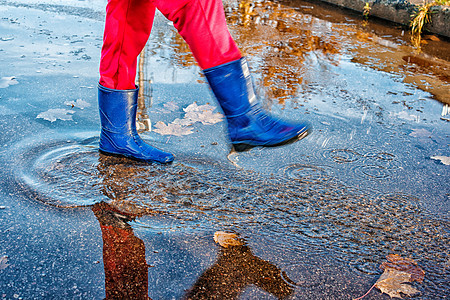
column 127, row 28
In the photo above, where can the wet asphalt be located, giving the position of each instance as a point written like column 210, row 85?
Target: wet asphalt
column 317, row 217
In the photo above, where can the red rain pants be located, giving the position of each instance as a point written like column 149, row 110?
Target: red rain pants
column 128, row 24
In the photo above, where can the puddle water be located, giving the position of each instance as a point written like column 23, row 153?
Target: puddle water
column 303, row 205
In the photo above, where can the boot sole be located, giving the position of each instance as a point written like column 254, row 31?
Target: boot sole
column 117, row 155
column 242, row 147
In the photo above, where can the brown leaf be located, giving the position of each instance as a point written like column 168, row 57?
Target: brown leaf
column 404, row 264
column 392, row 282
column 226, row 239
column 398, row 271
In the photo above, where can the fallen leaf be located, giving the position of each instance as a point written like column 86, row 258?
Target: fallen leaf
column 183, row 122
column 444, row 159
column 81, row 104
column 405, row 116
column 172, row 129
column 393, row 282
column 171, row 106
column 205, row 117
column 226, row 239
column 194, row 107
column 398, row 272
column 420, row 133
column 3, row 262
column 7, row 81
column 193, row 113
column 202, row 113
column 404, row 264
column 54, row 114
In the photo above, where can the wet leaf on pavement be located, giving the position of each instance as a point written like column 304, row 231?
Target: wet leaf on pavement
column 226, row 239
column 172, row 129
column 193, row 113
column 3, row 262
column 420, row 133
column 7, row 81
column 443, row 159
column 54, row 114
column 81, row 104
column 203, row 114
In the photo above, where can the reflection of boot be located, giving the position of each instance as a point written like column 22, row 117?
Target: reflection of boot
column 235, row 269
column 119, row 135
column 126, row 270
column 248, row 124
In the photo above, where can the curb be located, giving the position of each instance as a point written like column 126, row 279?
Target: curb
column 400, row 11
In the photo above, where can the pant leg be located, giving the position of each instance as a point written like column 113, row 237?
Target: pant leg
column 127, row 28
column 203, row 26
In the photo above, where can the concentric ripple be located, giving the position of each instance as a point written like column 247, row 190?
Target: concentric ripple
column 60, row 173
column 373, row 171
column 306, row 173
column 344, row 155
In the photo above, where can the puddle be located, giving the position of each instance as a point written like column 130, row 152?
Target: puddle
column 303, row 205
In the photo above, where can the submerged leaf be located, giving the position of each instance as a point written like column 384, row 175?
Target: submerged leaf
column 226, row 239
column 404, row 264
column 202, row 113
column 398, row 271
column 206, row 117
column 393, row 282
column 54, row 114
column 194, row 113
column 198, row 108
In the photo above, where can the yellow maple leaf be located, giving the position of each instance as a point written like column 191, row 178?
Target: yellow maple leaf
column 226, row 239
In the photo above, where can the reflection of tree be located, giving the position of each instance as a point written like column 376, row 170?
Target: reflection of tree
column 235, row 269
column 182, row 56
column 282, row 38
column 277, row 37
column 145, row 92
column 170, row 45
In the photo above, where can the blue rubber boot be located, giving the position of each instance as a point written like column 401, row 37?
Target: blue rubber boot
column 119, row 135
column 248, row 124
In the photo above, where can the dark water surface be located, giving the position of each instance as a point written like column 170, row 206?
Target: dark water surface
column 317, row 217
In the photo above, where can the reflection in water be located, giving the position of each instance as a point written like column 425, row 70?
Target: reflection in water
column 143, row 122
column 235, row 269
column 286, row 41
column 126, row 270
column 280, row 39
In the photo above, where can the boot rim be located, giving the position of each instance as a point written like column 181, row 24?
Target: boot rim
column 107, row 89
